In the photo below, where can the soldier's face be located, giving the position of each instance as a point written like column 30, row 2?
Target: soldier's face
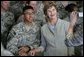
column 29, row 15
column 51, row 12
column 34, row 5
column 5, row 5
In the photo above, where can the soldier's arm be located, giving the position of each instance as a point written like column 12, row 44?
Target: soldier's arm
column 73, row 20
column 38, row 37
column 12, row 45
column 70, row 40
column 11, row 34
column 76, row 39
column 43, row 44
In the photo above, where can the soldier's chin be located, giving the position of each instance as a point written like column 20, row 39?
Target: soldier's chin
column 30, row 21
column 6, row 8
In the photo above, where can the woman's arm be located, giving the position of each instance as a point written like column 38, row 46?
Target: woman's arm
column 43, row 43
column 41, row 48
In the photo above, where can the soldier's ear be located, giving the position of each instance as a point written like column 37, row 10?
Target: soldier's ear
column 23, row 13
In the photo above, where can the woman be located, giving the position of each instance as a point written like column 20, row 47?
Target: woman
column 54, row 33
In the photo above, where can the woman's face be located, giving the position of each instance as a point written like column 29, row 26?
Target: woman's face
column 5, row 5
column 29, row 15
column 52, row 13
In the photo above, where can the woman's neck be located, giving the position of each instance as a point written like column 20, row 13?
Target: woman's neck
column 53, row 21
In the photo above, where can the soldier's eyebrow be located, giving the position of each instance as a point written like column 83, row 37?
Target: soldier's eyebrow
column 28, row 12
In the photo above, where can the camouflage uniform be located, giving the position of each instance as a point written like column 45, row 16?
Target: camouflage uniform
column 17, row 9
column 20, row 19
column 20, row 36
column 78, row 33
column 81, row 27
column 61, row 9
column 79, row 23
column 77, row 40
column 39, row 15
column 7, row 20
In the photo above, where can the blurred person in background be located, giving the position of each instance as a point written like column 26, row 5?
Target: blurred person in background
column 7, row 21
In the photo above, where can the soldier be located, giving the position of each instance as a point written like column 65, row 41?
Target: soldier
column 16, row 8
column 20, row 6
column 61, row 8
column 7, row 20
column 77, row 41
column 40, row 14
column 38, row 9
column 24, row 34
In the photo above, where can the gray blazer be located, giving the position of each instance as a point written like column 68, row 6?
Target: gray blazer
column 53, row 40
